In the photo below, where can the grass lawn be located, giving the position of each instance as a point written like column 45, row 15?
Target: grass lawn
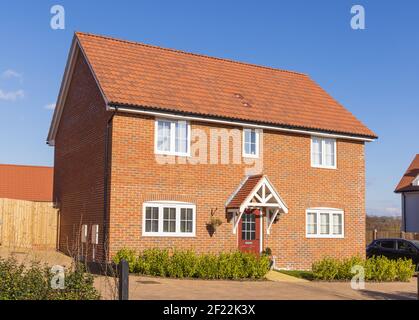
column 307, row 275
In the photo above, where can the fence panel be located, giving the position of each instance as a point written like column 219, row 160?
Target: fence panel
column 27, row 224
column 380, row 234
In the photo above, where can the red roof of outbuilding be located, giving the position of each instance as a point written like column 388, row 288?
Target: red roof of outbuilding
column 139, row 75
column 32, row 183
column 405, row 184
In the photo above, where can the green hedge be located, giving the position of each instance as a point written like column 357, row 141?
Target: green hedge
column 375, row 268
column 20, row 282
column 187, row 264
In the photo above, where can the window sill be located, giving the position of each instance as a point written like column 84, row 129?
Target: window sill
column 169, row 235
column 326, row 236
column 252, row 156
column 324, row 167
column 168, row 153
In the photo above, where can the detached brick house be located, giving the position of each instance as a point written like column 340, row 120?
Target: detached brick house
column 408, row 188
column 154, row 145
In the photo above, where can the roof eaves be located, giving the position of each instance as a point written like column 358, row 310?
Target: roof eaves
column 313, row 130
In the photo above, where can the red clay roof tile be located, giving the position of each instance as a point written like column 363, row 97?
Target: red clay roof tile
column 405, row 184
column 26, row 182
column 244, row 191
column 136, row 74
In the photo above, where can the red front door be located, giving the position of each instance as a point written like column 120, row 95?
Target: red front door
column 249, row 231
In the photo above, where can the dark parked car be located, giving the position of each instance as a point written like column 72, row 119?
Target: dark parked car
column 395, row 249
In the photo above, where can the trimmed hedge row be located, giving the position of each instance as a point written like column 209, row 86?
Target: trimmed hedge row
column 375, row 269
column 188, row 264
column 18, row 282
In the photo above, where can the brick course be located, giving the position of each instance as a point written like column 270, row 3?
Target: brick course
column 136, row 177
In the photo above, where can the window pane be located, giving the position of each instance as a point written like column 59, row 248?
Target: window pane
column 316, row 151
column 324, row 223
column 388, row 244
column 250, row 141
column 169, row 220
column 311, row 223
column 337, row 223
column 181, row 140
column 163, row 136
column 330, row 152
column 185, row 220
column 152, row 219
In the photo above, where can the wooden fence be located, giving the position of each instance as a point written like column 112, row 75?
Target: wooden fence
column 379, row 234
column 27, row 224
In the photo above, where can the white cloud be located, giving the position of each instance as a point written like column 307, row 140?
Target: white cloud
column 50, row 106
column 9, row 73
column 385, row 211
column 11, row 95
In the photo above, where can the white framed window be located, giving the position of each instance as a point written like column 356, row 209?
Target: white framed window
column 323, row 152
column 324, row 223
column 95, row 234
column 84, row 233
column 172, row 137
column 250, row 143
column 169, row 219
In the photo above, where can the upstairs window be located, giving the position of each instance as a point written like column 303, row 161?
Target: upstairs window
column 172, row 137
column 250, row 143
column 323, row 152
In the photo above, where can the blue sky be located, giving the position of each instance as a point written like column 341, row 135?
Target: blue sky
column 373, row 72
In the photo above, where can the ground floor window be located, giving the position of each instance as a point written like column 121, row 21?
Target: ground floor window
column 165, row 219
column 324, row 223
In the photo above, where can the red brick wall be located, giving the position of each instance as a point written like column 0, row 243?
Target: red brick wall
column 137, row 177
column 79, row 161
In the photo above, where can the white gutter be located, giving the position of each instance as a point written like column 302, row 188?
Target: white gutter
column 238, row 123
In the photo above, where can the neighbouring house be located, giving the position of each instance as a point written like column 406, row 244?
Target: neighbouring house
column 408, row 187
column 21, row 182
column 161, row 148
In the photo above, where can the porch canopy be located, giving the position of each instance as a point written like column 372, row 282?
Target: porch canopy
column 256, row 192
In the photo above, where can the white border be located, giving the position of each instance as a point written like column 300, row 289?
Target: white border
column 244, row 154
column 323, row 139
column 330, row 211
column 169, row 204
column 172, row 138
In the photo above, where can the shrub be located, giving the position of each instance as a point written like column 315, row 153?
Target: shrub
column 18, row 282
column 128, row 255
column 326, row 269
column 181, row 264
column 375, row 268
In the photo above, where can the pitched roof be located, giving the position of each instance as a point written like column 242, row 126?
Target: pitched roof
column 405, row 184
column 243, row 191
column 140, row 75
column 26, row 182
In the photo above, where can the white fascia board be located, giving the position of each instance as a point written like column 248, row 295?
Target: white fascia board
column 238, row 123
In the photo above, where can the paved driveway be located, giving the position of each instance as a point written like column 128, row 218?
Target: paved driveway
column 144, row 288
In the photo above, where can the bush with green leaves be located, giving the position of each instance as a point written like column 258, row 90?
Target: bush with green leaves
column 33, row 282
column 188, row 264
column 375, row 269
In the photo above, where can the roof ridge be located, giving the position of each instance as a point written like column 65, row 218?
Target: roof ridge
column 190, row 53
column 23, row 165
